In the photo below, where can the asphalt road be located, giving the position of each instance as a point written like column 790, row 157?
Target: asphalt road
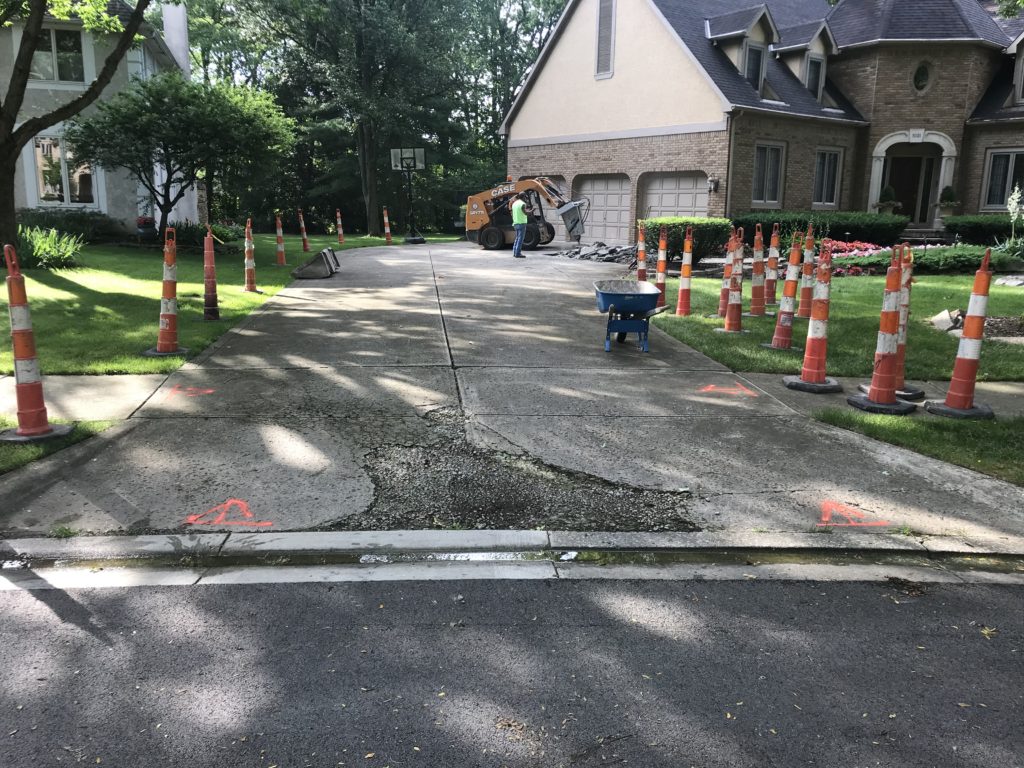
column 508, row 673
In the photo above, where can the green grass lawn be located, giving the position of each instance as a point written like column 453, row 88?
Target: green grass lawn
column 14, row 455
column 98, row 319
column 853, row 328
column 992, row 447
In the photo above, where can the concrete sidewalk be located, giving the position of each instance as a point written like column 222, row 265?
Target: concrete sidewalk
column 340, row 395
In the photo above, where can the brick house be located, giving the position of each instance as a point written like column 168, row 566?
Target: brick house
column 47, row 176
column 701, row 107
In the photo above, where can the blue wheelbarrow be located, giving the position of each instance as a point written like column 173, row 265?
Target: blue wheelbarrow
column 630, row 306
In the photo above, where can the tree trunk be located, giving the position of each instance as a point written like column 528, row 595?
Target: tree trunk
column 368, row 176
column 8, row 217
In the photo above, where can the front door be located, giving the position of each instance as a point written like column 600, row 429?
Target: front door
column 913, row 179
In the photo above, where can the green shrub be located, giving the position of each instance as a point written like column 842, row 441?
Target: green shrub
column 981, row 229
column 931, row 260
column 878, row 228
column 47, row 248
column 91, row 226
column 709, row 236
column 189, row 233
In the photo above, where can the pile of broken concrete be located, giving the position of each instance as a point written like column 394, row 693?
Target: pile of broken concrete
column 621, row 254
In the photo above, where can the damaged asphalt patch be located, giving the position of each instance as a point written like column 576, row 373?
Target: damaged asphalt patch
column 453, row 484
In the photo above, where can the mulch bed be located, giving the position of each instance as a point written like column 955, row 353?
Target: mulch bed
column 1004, row 326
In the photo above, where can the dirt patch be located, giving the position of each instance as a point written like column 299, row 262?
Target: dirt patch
column 452, row 484
column 1004, row 326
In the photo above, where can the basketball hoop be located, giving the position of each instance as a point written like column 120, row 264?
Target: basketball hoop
column 408, row 159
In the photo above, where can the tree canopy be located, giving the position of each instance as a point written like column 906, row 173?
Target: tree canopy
column 183, row 127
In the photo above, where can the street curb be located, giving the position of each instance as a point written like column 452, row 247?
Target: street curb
column 494, row 541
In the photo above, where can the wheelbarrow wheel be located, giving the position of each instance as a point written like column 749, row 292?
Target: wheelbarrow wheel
column 620, row 337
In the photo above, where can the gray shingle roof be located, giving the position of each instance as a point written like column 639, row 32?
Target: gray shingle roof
column 686, row 16
column 799, row 36
column 858, row 22
column 735, row 23
column 993, row 104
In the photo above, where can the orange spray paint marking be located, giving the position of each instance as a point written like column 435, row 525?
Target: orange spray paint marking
column 854, row 517
column 177, row 389
column 231, row 512
column 739, row 390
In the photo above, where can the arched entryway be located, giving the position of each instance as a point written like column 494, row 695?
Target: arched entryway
column 917, row 164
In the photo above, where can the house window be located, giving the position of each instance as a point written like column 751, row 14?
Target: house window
column 59, row 56
column 753, row 68
column 59, row 179
column 1005, row 171
column 815, row 75
column 767, row 174
column 827, row 163
column 605, row 37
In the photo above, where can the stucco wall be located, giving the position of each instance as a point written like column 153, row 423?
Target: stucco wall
column 568, row 101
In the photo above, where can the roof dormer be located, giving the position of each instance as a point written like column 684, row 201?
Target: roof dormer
column 1016, row 48
column 805, row 50
column 745, row 37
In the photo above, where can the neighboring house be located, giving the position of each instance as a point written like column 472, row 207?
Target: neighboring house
column 47, row 174
column 715, row 107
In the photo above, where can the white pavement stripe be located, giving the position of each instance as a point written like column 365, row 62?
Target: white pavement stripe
column 456, row 571
column 89, row 578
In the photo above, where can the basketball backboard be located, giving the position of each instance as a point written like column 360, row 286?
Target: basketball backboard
column 407, row 159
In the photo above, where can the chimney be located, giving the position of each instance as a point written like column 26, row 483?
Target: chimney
column 176, row 34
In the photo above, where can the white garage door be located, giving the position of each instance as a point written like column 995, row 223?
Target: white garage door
column 674, row 194
column 609, row 220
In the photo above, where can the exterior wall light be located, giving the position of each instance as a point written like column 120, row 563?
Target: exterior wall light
column 712, row 184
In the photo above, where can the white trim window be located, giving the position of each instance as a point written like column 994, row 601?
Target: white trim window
column 59, row 57
column 754, row 62
column 605, row 64
column 60, row 181
column 814, row 75
column 1004, row 169
column 828, row 168
column 769, row 162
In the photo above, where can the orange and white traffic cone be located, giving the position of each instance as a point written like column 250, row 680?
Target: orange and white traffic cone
column 250, row 260
column 167, row 336
column 783, row 337
column 757, row 277
column 662, row 274
column 33, row 423
column 210, row 309
column 734, row 309
column 772, row 276
column 807, row 281
column 730, row 260
column 905, row 391
column 959, row 403
column 341, row 230
column 685, row 276
column 387, row 227
column 641, row 253
column 881, row 395
column 280, row 243
column 302, row 231
column 812, row 376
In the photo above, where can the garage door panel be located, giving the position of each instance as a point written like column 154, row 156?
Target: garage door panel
column 675, row 194
column 609, row 220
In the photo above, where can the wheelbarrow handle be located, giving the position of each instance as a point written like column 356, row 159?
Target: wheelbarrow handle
column 656, row 311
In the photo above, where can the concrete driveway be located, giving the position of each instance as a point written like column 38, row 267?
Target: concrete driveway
column 427, row 372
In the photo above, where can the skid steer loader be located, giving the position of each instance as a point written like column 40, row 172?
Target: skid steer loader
column 489, row 218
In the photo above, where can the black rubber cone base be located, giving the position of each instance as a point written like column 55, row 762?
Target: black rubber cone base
column 179, row 352
column 768, row 345
column 827, row 386
column 58, row 430
column 907, row 393
column 910, row 393
column 977, row 412
column 899, row 408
